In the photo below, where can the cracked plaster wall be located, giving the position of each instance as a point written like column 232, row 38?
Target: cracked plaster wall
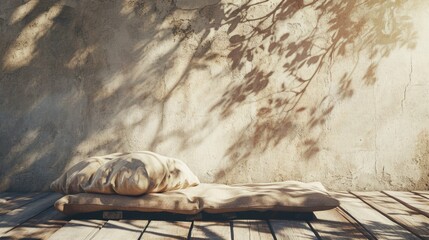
column 330, row 91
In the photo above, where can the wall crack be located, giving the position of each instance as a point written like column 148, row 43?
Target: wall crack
column 404, row 96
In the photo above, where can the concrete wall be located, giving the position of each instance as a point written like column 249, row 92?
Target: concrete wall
column 331, row 91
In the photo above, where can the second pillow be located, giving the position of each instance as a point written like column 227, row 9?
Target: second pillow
column 131, row 174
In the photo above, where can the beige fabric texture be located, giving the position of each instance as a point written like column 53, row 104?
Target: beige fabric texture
column 212, row 198
column 132, row 174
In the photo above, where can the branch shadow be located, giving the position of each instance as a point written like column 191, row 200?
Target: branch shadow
column 301, row 56
column 71, row 83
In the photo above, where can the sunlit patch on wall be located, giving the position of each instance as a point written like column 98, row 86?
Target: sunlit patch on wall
column 25, row 142
column 22, row 11
column 21, row 146
column 23, row 50
column 130, row 6
column 29, row 158
column 80, row 57
column 127, row 7
column 110, row 88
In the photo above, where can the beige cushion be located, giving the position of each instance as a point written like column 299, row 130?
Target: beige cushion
column 211, row 198
column 131, row 174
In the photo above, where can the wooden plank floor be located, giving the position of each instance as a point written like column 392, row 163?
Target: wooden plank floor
column 361, row 215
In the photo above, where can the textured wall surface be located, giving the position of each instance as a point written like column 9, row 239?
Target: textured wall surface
column 243, row 91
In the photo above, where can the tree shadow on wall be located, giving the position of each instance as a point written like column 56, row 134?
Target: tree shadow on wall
column 68, row 74
column 76, row 76
column 306, row 52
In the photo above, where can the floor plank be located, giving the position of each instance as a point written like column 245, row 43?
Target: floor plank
column 404, row 216
column 7, row 196
column 376, row 223
column 123, row 229
column 211, row 230
column 331, row 224
column 38, row 227
column 251, row 229
column 16, row 200
column 19, row 215
column 167, row 230
column 422, row 193
column 3, row 194
column 411, row 200
column 78, row 230
column 288, row 229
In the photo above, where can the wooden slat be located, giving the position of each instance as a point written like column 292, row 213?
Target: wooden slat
column 16, row 217
column 288, row 229
column 411, row 200
column 38, row 227
column 331, row 224
column 167, row 230
column 422, row 193
column 16, row 200
column 3, row 194
column 78, row 230
column 406, row 217
column 376, row 223
column 211, row 230
column 251, row 229
column 123, row 229
column 7, row 196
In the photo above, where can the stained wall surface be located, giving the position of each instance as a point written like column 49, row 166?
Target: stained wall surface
column 243, row 91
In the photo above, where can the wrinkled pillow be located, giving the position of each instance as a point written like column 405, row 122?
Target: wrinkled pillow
column 131, row 174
